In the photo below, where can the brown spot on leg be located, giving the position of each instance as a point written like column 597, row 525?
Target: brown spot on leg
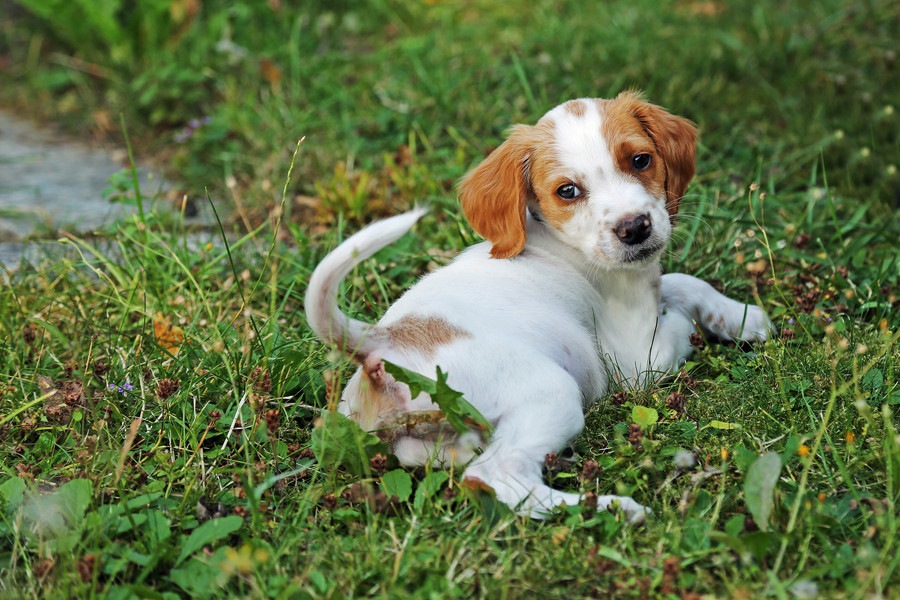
column 377, row 398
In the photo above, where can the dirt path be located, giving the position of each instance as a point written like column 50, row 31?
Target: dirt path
column 51, row 183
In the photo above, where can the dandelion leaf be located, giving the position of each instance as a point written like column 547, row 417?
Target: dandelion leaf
column 759, row 487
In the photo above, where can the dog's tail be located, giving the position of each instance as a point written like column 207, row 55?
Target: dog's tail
column 322, row 313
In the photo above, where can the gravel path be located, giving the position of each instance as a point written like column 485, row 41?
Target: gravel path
column 50, row 183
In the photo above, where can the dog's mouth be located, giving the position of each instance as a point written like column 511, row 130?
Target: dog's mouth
column 634, row 254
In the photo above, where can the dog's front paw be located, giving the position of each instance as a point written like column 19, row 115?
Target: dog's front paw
column 738, row 322
column 634, row 512
column 754, row 326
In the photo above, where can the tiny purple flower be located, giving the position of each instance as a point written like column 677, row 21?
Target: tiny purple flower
column 122, row 389
column 183, row 135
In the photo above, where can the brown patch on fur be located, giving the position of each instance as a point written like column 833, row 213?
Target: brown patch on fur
column 547, row 175
column 634, row 126
column 422, row 333
column 575, row 107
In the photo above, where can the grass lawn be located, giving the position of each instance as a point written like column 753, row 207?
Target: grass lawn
column 160, row 391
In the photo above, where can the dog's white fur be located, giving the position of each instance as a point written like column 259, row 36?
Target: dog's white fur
column 532, row 324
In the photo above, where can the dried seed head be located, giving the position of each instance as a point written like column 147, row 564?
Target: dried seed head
column 688, row 381
column 379, row 463
column 166, row 388
column 85, row 567
column 330, row 501
column 801, row 241
column 272, row 421
column 635, row 435
column 551, row 460
column 29, row 334
column 262, row 380
column 589, row 470
column 43, row 567
column 24, row 471
column 100, row 369
column 589, row 503
column 675, row 401
column 619, row 398
column 671, row 570
column 697, row 341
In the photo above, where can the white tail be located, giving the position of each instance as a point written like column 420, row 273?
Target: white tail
column 322, row 313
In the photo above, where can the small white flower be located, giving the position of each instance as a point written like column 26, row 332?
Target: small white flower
column 684, row 459
column 804, row 589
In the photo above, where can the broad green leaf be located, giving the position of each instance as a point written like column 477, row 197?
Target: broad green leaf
column 459, row 412
column 759, row 487
column 873, row 380
column 397, row 483
column 695, row 535
column 211, row 531
column 644, row 415
column 613, row 555
column 339, row 441
column 198, row 579
column 429, row 486
column 11, row 492
column 158, row 526
column 75, row 498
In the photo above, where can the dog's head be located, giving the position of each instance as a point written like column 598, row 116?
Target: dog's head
column 606, row 175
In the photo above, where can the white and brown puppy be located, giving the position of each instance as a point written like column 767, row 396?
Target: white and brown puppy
column 565, row 295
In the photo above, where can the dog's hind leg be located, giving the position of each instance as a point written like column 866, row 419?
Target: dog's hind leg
column 511, row 464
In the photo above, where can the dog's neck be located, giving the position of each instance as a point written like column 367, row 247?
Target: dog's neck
column 613, row 284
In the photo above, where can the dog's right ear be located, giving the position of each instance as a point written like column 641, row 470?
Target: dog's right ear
column 494, row 194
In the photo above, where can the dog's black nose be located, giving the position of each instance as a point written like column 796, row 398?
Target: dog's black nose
column 635, row 230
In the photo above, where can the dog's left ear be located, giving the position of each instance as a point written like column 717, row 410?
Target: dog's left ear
column 676, row 142
column 494, row 195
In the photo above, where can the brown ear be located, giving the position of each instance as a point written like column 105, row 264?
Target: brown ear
column 676, row 141
column 495, row 193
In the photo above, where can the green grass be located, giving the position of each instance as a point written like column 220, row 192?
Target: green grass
column 158, row 394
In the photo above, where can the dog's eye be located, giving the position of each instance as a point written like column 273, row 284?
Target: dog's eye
column 640, row 161
column 568, row 191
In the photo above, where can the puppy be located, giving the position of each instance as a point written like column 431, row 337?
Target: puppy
column 564, row 297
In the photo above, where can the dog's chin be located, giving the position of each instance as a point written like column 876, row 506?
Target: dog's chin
column 641, row 254
column 627, row 257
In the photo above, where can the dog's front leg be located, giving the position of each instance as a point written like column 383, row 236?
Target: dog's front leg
column 715, row 313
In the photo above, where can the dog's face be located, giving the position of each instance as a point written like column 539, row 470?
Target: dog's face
column 606, row 175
